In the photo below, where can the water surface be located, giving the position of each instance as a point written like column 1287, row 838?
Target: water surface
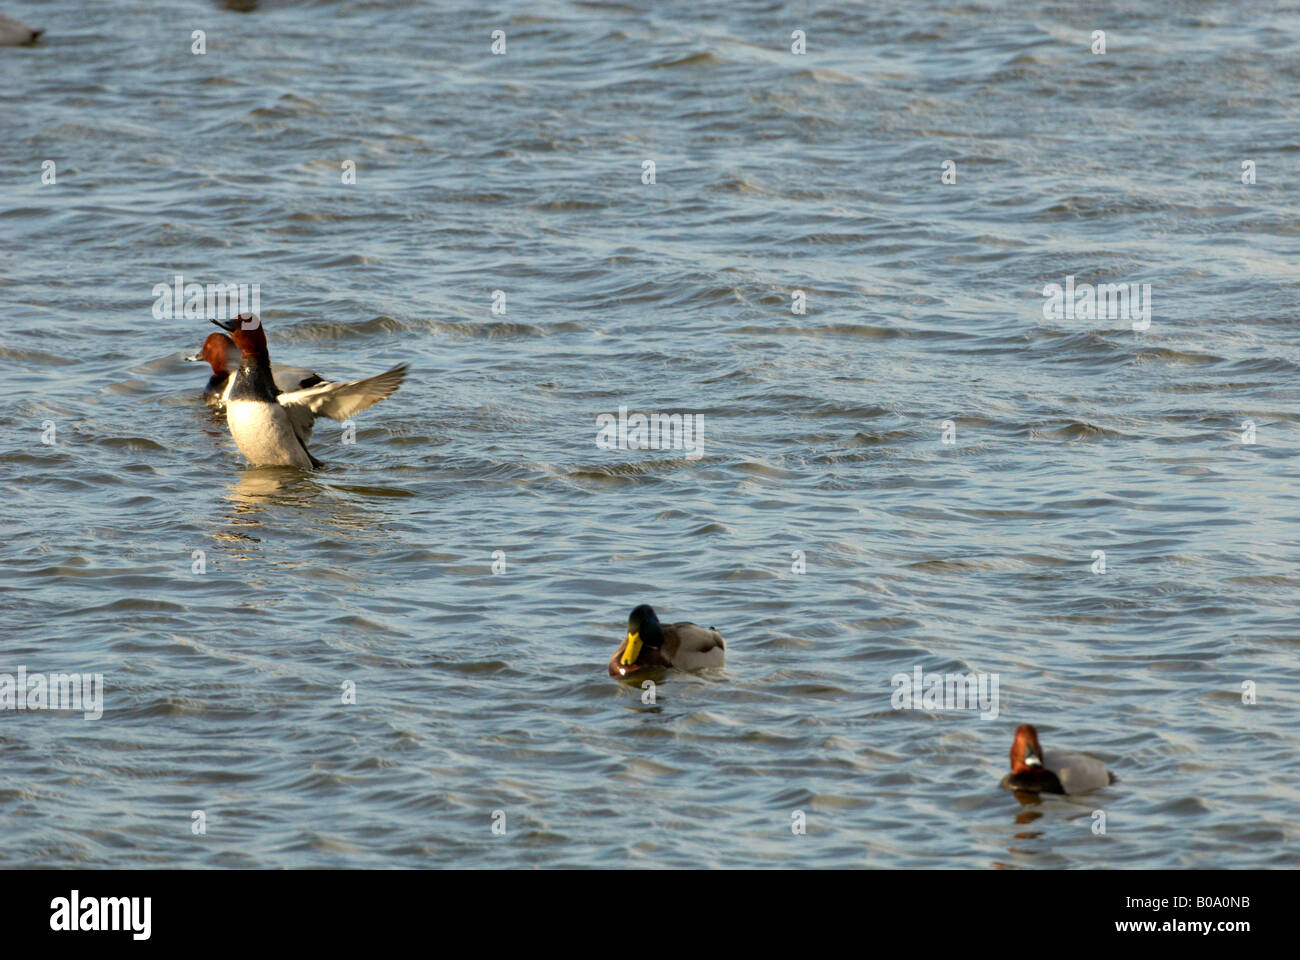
column 823, row 432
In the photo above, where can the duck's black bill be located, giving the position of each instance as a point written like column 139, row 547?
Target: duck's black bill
column 230, row 326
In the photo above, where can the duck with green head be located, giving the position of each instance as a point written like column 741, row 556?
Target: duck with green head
column 650, row 644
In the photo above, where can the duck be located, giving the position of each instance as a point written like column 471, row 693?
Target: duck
column 270, row 428
column 650, row 644
column 15, row 33
column 220, row 352
column 1058, row 771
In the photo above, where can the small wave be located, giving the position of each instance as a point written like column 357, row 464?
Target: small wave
column 704, row 58
column 1076, row 430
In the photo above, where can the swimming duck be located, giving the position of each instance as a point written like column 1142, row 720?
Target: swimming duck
column 649, row 643
column 1059, row 771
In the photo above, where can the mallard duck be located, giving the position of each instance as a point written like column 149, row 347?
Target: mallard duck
column 1059, row 771
column 648, row 643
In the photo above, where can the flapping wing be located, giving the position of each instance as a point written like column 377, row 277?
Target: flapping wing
column 338, row 401
column 289, row 379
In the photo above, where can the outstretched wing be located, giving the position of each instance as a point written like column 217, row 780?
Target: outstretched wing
column 338, row 401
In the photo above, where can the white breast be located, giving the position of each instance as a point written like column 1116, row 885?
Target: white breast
column 264, row 435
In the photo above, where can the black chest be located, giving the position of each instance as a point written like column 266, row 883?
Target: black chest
column 253, row 381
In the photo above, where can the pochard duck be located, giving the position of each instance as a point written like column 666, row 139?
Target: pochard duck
column 220, row 352
column 1057, row 771
column 272, row 428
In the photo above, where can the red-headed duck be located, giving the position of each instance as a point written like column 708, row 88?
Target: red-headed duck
column 272, row 428
column 1058, row 771
column 220, row 352
column 650, row 644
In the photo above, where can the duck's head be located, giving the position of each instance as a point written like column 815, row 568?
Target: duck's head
column 246, row 330
column 643, row 631
column 1029, row 775
column 1026, row 754
column 220, row 352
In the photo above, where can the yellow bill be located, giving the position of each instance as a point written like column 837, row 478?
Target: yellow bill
column 633, row 649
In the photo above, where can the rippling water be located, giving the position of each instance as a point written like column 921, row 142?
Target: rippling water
column 823, row 432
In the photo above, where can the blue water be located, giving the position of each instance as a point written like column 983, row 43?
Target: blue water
column 823, row 432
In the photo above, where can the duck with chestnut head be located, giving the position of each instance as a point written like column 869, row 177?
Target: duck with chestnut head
column 272, row 428
column 1034, row 770
column 221, row 354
